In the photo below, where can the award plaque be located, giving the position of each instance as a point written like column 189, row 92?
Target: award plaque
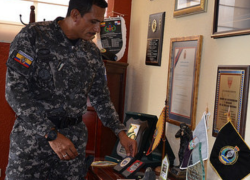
column 195, row 171
column 155, row 38
column 124, row 164
column 135, row 130
column 231, row 91
column 132, row 169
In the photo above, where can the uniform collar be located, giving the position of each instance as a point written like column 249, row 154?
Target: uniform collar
column 62, row 39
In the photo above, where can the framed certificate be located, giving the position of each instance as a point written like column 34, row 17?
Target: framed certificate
column 183, row 78
column 187, row 7
column 231, row 91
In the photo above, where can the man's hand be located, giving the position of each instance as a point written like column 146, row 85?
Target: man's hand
column 129, row 144
column 63, row 147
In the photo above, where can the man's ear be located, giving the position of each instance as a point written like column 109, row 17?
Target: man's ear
column 75, row 14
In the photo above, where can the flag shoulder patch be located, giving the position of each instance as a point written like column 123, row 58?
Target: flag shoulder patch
column 23, row 58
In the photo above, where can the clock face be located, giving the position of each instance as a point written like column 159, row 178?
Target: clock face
column 154, row 25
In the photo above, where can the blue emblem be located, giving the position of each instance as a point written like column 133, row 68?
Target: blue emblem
column 229, row 155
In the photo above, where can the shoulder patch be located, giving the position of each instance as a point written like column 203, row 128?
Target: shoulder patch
column 23, row 59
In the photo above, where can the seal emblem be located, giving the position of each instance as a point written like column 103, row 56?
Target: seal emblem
column 154, row 25
column 229, row 155
column 125, row 161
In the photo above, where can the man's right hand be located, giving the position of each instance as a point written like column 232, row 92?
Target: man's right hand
column 63, row 147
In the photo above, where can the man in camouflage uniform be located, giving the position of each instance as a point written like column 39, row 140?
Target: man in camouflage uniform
column 52, row 68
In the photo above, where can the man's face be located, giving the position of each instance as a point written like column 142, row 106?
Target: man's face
column 87, row 26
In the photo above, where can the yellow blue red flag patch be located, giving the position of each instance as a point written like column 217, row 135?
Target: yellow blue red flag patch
column 23, row 59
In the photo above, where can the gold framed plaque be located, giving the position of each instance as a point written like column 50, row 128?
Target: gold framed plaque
column 155, row 39
column 183, row 78
column 187, row 7
column 231, row 91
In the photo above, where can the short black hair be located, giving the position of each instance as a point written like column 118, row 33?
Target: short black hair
column 84, row 6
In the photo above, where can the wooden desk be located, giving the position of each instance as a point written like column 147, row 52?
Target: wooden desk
column 107, row 173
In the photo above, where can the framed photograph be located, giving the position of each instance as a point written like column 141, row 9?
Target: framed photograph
column 231, row 18
column 155, row 39
column 231, row 91
column 183, row 78
column 188, row 7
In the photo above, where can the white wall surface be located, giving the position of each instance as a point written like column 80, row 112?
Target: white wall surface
column 147, row 85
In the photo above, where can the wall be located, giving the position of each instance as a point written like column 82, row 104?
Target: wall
column 146, row 85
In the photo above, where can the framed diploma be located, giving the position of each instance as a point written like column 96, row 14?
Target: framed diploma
column 231, row 91
column 183, row 78
column 187, row 7
column 155, row 39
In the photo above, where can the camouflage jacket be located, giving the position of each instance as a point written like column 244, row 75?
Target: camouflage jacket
column 48, row 76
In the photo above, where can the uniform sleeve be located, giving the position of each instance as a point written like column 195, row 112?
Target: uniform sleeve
column 18, row 91
column 100, row 99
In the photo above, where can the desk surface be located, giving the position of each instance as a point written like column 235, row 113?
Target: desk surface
column 107, row 173
column 103, row 173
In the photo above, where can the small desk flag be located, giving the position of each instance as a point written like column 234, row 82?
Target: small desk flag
column 230, row 156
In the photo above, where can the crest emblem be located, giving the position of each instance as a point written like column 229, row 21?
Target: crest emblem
column 154, row 25
column 229, row 155
column 125, row 162
column 229, row 81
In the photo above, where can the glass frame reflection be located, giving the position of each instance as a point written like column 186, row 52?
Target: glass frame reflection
column 231, row 18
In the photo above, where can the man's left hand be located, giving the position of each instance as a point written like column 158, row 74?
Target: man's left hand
column 129, row 144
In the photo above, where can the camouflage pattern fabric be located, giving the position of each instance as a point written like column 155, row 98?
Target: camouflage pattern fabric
column 31, row 157
column 48, row 76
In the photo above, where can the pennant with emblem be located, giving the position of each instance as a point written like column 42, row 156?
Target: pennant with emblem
column 23, row 59
column 158, row 132
column 230, row 156
column 199, row 136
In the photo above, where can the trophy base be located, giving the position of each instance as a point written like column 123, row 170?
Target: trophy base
column 178, row 173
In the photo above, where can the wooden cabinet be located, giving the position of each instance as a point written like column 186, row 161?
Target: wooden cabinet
column 101, row 140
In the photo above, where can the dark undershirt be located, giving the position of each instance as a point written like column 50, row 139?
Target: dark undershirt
column 73, row 41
